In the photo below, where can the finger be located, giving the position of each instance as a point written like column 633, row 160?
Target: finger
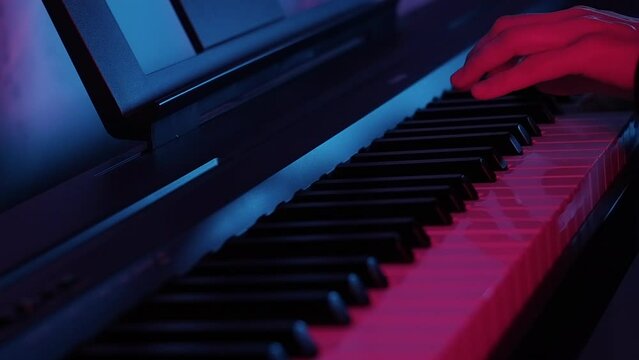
column 523, row 41
column 507, row 66
column 534, row 69
column 506, row 22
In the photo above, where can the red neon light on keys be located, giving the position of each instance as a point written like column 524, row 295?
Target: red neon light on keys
column 459, row 296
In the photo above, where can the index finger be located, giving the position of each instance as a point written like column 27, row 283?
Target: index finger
column 506, row 22
column 522, row 41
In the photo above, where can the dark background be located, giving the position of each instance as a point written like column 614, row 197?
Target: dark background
column 627, row 7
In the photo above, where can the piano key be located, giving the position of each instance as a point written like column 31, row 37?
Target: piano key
column 472, row 101
column 472, row 167
column 348, row 285
column 387, row 247
column 506, row 249
column 538, row 112
column 315, row 307
column 366, row 267
column 530, row 94
column 293, row 335
column 527, row 93
column 551, row 101
column 466, row 95
column 491, row 236
column 458, row 183
column 518, row 131
column 406, row 227
column 524, row 120
column 442, row 103
column 494, row 160
column 427, row 211
column 448, row 200
column 503, row 142
column 183, row 351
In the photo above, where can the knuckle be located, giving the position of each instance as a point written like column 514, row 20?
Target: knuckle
column 581, row 9
column 502, row 22
column 594, row 41
column 509, row 38
column 587, row 24
column 506, row 40
column 511, row 41
column 584, row 21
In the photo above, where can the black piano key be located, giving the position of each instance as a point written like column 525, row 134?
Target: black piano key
column 470, row 101
column 520, row 94
column 406, row 227
column 349, row 286
column 536, row 108
column 524, row 120
column 550, row 101
column 492, row 159
column 458, row 183
column 314, row 307
column 504, row 142
column 456, row 94
column 183, row 351
column 507, row 100
column 472, row 167
column 426, row 210
column 442, row 193
column 387, row 247
column 530, row 94
column 518, row 131
column 366, row 267
column 537, row 111
column 292, row 334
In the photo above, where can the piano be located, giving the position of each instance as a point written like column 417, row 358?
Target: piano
column 328, row 196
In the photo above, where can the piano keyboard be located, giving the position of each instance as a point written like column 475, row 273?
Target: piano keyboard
column 425, row 244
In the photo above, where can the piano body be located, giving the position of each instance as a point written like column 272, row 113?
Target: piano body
column 326, row 196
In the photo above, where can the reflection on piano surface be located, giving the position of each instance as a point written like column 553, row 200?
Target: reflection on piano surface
column 428, row 242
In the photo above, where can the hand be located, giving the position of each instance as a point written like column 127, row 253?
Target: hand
column 572, row 51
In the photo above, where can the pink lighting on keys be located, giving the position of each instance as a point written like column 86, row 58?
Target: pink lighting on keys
column 459, row 296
